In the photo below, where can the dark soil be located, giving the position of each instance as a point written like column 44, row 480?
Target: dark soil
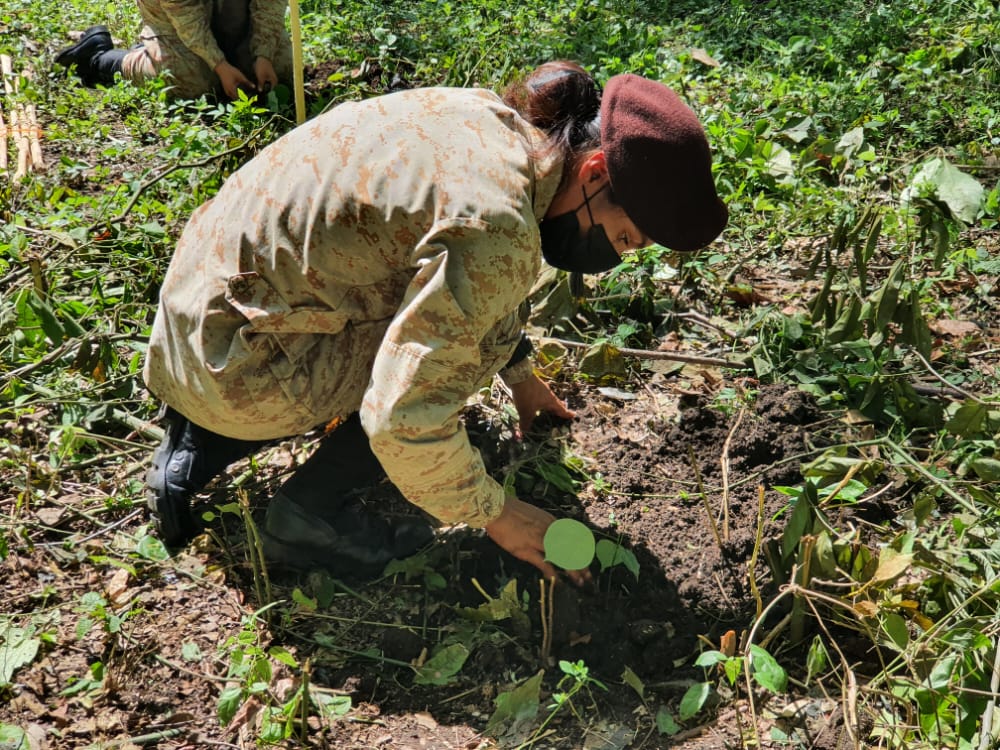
column 660, row 456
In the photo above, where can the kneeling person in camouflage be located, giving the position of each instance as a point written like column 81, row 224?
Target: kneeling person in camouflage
column 200, row 46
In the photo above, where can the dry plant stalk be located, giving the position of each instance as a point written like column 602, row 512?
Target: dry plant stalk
column 3, row 142
column 546, row 605
column 724, row 461
column 704, row 499
column 23, row 125
column 35, row 139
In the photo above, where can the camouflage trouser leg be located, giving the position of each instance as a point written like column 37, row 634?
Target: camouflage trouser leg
column 188, row 75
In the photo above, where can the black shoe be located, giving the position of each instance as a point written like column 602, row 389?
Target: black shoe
column 350, row 543
column 93, row 42
column 188, row 458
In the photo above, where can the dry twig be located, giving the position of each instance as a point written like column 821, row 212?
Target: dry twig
column 725, row 473
column 704, row 498
column 670, row 356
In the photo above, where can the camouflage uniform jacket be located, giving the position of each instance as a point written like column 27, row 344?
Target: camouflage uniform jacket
column 191, row 21
column 375, row 258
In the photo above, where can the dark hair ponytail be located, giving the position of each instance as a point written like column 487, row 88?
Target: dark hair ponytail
column 563, row 100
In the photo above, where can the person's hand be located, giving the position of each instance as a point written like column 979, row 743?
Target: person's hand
column 533, row 396
column 233, row 80
column 520, row 529
column 267, row 79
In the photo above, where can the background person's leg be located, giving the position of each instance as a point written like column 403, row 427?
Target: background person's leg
column 164, row 54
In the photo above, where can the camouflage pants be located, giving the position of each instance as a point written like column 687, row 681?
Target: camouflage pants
column 163, row 53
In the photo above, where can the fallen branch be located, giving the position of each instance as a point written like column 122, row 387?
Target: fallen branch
column 670, row 356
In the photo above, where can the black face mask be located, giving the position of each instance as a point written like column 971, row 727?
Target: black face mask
column 564, row 247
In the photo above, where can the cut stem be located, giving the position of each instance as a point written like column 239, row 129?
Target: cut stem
column 704, row 498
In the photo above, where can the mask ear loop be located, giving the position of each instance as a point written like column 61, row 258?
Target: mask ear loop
column 586, row 201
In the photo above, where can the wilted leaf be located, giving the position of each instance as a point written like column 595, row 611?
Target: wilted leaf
column 501, row 608
column 954, row 328
column 866, row 608
column 602, row 361
column 891, row 566
column 697, row 53
column 631, row 679
column 940, row 180
column 851, row 142
column 517, row 705
column 18, row 649
column 799, row 131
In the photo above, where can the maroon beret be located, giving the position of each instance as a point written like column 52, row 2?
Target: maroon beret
column 660, row 164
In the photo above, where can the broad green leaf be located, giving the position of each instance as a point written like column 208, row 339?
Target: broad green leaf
column 517, row 705
column 151, row 548
column 305, row 602
column 229, row 702
column 733, row 667
column 282, row 655
column 557, row 475
column 968, row 419
column 693, row 700
column 895, row 627
column 331, row 706
column 13, row 738
column 987, row 469
column 609, row 554
column 710, row 658
column 665, row 723
column 569, row 544
column 766, row 671
column 445, row 664
column 190, row 651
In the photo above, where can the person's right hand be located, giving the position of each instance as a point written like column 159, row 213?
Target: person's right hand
column 233, row 80
column 520, row 529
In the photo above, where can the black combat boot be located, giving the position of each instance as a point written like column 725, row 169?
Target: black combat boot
column 94, row 56
column 317, row 520
column 188, row 458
